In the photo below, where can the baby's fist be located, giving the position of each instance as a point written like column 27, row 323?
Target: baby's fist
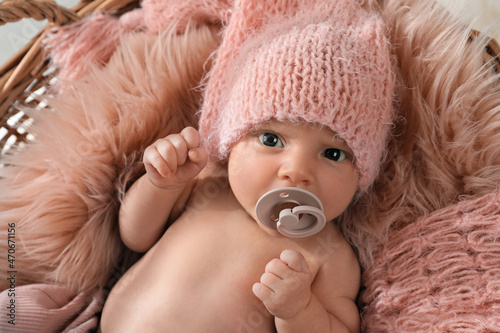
column 174, row 160
column 285, row 286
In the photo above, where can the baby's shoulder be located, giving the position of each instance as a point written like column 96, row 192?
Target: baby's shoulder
column 212, row 173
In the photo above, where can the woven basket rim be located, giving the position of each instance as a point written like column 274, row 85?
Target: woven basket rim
column 25, row 71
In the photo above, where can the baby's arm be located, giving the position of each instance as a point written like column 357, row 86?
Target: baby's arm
column 171, row 163
column 300, row 304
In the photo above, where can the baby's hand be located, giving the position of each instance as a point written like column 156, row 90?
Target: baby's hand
column 176, row 159
column 285, row 287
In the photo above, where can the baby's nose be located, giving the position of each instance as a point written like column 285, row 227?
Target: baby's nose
column 297, row 168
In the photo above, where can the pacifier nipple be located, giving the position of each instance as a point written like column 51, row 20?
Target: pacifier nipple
column 292, row 211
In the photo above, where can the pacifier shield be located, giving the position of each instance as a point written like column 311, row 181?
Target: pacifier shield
column 292, row 211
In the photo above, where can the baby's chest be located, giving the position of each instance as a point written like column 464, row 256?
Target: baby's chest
column 225, row 239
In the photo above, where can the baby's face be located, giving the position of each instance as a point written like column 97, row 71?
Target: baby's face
column 282, row 154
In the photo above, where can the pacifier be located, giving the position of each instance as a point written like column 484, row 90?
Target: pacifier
column 292, row 211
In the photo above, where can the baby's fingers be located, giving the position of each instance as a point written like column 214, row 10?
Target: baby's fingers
column 191, row 136
column 156, row 162
column 198, row 156
column 262, row 292
column 295, row 260
column 197, row 160
column 174, row 148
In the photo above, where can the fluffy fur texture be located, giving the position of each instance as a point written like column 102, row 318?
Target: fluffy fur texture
column 443, row 167
column 78, row 47
column 444, row 148
column 428, row 232
column 63, row 191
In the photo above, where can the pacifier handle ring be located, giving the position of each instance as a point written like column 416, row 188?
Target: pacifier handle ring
column 290, row 217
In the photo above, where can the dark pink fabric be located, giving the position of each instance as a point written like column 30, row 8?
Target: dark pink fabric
column 49, row 308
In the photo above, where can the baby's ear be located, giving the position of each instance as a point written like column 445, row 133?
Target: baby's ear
column 372, row 34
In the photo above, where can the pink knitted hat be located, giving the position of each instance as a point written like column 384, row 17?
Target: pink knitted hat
column 324, row 61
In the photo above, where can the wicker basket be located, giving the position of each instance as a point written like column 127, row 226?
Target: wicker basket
column 26, row 75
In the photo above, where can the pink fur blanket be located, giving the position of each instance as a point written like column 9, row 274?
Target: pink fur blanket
column 427, row 232
column 60, row 195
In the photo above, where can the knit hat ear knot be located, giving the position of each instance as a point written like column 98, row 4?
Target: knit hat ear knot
column 328, row 67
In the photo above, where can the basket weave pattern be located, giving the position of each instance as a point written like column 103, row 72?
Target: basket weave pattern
column 26, row 75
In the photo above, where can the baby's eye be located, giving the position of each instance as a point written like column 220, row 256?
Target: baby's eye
column 334, row 154
column 271, row 140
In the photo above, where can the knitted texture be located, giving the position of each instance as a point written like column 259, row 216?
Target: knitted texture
column 439, row 274
column 326, row 62
column 159, row 14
